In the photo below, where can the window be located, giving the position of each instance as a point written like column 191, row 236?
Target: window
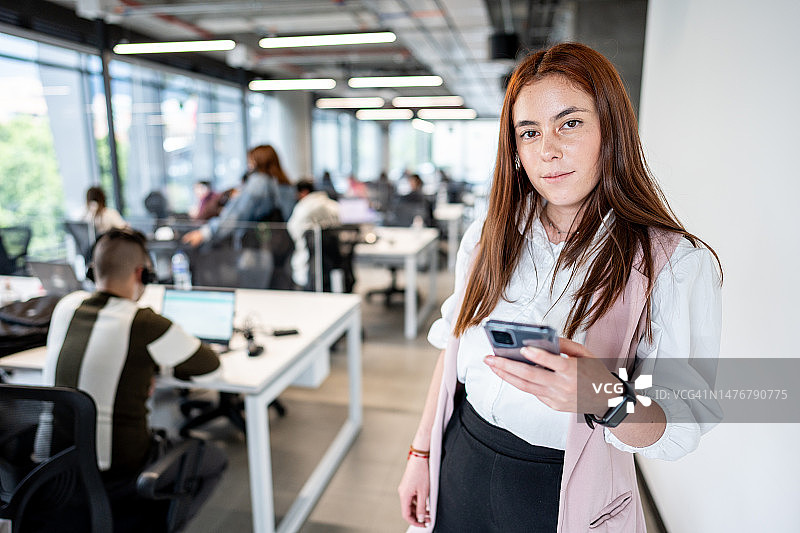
column 466, row 149
column 47, row 125
column 369, row 150
column 171, row 131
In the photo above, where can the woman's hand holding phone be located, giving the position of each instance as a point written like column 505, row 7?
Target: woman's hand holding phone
column 554, row 378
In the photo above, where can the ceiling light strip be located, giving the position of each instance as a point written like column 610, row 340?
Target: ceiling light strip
column 310, row 84
column 174, row 47
column 384, row 114
column 395, row 81
column 447, row 114
column 328, row 40
column 427, row 101
column 349, row 103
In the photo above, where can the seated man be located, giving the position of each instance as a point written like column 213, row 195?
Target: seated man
column 107, row 346
column 313, row 208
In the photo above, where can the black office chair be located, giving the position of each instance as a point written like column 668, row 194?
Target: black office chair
column 404, row 213
column 229, row 406
column 337, row 249
column 32, row 491
column 63, row 491
column 14, row 241
column 84, row 236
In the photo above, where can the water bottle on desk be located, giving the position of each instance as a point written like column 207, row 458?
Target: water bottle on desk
column 181, row 275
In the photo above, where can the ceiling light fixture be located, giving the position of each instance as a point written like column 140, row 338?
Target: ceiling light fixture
column 384, row 114
column 427, row 101
column 328, row 40
column 395, row 81
column 423, row 125
column 174, row 47
column 309, row 84
column 349, row 103
column 447, row 114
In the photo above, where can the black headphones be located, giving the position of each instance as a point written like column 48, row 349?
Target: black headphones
column 130, row 235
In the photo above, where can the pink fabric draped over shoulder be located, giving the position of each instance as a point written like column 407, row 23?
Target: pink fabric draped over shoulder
column 598, row 483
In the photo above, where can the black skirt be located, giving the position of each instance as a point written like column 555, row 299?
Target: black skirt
column 491, row 480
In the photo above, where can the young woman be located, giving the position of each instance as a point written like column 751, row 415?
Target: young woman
column 264, row 160
column 103, row 218
column 266, row 195
column 579, row 237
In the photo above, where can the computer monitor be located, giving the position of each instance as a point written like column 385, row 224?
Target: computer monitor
column 206, row 314
column 356, row 211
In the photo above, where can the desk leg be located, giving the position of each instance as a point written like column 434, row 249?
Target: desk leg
column 315, row 485
column 259, row 456
column 411, row 297
column 355, row 412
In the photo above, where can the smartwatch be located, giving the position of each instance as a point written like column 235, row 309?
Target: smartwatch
column 615, row 414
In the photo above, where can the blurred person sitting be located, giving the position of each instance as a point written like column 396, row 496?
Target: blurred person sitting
column 314, row 208
column 208, row 202
column 413, row 204
column 266, row 195
column 102, row 217
column 355, row 187
column 384, row 192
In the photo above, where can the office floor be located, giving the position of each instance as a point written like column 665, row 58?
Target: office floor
column 362, row 495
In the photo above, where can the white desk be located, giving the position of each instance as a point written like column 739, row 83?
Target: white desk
column 406, row 247
column 320, row 319
column 452, row 214
column 23, row 287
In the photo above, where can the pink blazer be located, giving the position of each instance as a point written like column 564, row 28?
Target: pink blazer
column 598, row 483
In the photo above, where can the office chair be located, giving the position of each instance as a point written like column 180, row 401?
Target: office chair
column 30, row 489
column 281, row 247
column 403, row 214
column 229, row 405
column 84, row 236
column 337, row 250
column 14, row 241
column 6, row 265
column 65, row 492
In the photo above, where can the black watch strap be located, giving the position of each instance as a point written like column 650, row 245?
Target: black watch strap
column 615, row 414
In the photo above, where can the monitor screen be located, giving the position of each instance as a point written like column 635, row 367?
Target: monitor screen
column 205, row 314
column 356, row 211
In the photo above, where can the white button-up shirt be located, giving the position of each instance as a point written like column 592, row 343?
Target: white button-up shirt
column 686, row 324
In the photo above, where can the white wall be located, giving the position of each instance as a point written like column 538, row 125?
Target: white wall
column 720, row 110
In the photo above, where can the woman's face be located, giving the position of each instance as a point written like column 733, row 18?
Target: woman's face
column 557, row 130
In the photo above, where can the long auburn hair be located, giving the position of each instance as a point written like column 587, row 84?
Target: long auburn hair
column 265, row 160
column 626, row 186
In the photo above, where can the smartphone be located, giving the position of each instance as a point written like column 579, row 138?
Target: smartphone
column 508, row 338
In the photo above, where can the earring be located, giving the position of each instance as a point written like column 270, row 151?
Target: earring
column 517, row 164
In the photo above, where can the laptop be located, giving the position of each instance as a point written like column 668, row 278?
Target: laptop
column 56, row 278
column 206, row 314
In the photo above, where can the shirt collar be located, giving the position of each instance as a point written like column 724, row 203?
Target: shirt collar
column 537, row 233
